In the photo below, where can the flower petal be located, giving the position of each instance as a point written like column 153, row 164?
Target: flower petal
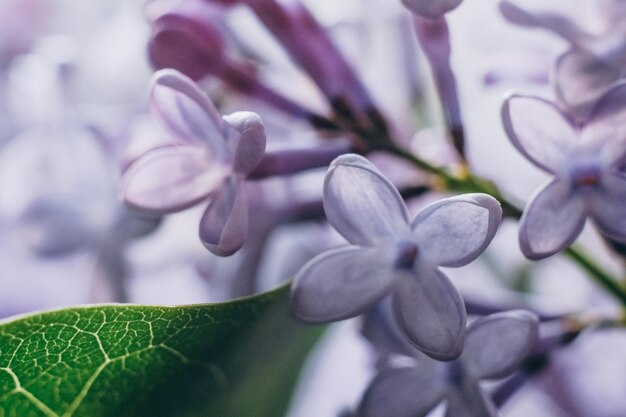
column 539, row 130
column 172, row 178
column 607, row 125
column 454, row 231
column 496, row 344
column 361, row 203
column 431, row 313
column 608, row 207
column 247, row 140
column 186, row 111
column 552, row 220
column 224, row 225
column 468, row 400
column 431, row 9
column 580, row 79
column 339, row 284
column 403, row 392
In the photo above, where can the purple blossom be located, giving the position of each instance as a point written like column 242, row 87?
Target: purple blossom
column 494, row 348
column 210, row 162
column 431, row 9
column 391, row 255
column 584, row 161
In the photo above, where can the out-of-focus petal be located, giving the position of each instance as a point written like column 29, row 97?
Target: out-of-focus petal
column 608, row 207
column 403, row 392
column 552, row 220
column 539, row 130
column 580, row 79
column 186, row 111
column 340, row 284
column 468, row 400
column 431, row 313
column 431, row 9
column 224, row 225
column 607, row 125
column 454, row 231
column 247, row 140
column 496, row 344
column 361, row 203
column 171, row 179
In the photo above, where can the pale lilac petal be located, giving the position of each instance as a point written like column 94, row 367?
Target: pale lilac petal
column 539, row 130
column 496, row 344
column 431, row 313
column 431, row 9
column 247, row 141
column 580, row 79
column 339, row 284
column 224, row 225
column 186, row 111
column 552, row 220
column 454, row 231
column 467, row 399
column 608, row 207
column 361, row 203
column 607, row 125
column 403, row 392
column 172, row 178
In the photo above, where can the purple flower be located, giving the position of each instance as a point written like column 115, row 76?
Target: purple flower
column 494, row 348
column 389, row 254
column 210, row 162
column 431, row 9
column 584, row 161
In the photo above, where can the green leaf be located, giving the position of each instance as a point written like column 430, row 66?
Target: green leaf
column 238, row 359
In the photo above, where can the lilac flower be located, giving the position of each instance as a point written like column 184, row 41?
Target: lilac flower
column 391, row 255
column 210, row 162
column 494, row 348
column 584, row 161
column 431, row 9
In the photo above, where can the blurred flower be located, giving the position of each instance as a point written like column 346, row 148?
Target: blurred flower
column 210, row 160
column 494, row 348
column 431, row 9
column 390, row 255
column 584, row 161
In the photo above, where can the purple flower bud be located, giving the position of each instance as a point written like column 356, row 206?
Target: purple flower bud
column 431, row 9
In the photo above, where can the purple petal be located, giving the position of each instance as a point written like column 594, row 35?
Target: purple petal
column 580, row 79
column 431, row 9
column 403, row 392
column 361, row 203
column 186, row 111
column 339, row 284
column 468, row 400
column 224, row 225
column 454, row 231
column 608, row 207
column 606, row 125
column 539, row 130
column 496, row 344
column 431, row 313
column 172, row 178
column 552, row 220
column 247, row 141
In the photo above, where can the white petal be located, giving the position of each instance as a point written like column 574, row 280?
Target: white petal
column 224, row 225
column 469, row 400
column 361, row 203
column 496, row 344
column 608, row 207
column 172, row 178
column 404, row 392
column 454, row 231
column 539, row 130
column 431, row 313
column 552, row 220
column 339, row 284
column 247, row 141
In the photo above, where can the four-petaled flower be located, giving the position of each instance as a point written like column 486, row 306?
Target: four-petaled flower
column 210, row 162
column 494, row 348
column 391, row 255
column 585, row 161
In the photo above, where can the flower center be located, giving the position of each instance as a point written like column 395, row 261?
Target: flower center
column 586, row 175
column 406, row 253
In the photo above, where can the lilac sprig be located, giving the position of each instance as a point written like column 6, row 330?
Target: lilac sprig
column 389, row 254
